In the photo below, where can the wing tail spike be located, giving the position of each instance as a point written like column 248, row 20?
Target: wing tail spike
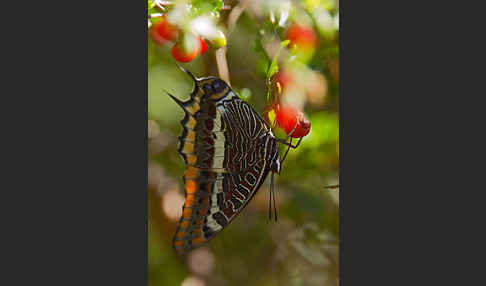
column 195, row 79
column 178, row 101
column 189, row 73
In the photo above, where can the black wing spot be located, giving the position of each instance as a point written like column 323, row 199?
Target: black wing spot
column 243, row 191
column 236, row 203
column 250, row 179
column 237, row 180
column 208, row 232
column 220, row 219
column 220, row 200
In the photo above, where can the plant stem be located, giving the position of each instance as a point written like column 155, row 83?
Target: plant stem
column 222, row 64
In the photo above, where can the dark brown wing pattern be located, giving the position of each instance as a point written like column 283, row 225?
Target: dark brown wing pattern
column 229, row 152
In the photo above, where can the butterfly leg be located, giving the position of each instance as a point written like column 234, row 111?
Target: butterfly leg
column 290, row 134
column 284, row 141
column 287, row 143
column 285, row 155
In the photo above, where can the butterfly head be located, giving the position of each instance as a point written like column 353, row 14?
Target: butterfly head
column 213, row 86
column 209, row 86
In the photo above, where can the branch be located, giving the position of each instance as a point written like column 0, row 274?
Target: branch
column 332, row 187
column 221, row 61
column 234, row 15
column 222, row 64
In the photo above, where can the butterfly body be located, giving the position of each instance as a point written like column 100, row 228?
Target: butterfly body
column 229, row 151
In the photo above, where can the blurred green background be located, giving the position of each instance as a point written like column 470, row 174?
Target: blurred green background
column 302, row 248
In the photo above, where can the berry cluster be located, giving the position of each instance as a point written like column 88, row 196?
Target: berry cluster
column 302, row 42
column 187, row 45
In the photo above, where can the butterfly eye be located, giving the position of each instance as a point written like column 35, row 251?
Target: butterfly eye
column 218, row 85
column 208, row 89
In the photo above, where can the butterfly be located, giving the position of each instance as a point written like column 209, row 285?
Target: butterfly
column 229, row 151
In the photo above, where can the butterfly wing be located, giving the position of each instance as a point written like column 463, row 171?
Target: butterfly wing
column 227, row 149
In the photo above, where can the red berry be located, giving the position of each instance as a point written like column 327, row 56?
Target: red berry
column 303, row 127
column 163, row 31
column 202, row 46
column 284, row 78
column 154, row 35
column 301, row 36
column 288, row 118
column 285, row 117
column 180, row 54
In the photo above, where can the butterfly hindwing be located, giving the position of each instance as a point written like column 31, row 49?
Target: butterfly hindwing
column 227, row 148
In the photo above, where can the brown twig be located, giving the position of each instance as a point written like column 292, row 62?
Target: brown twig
column 222, row 64
column 221, row 61
column 234, row 15
column 332, row 187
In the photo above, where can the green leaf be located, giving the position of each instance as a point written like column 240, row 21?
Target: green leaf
column 257, row 46
column 151, row 4
column 272, row 116
column 153, row 11
column 261, row 66
column 200, row 7
column 279, row 87
column 217, row 4
column 273, row 68
column 274, row 65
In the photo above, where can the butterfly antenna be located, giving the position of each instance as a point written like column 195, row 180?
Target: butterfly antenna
column 274, row 205
column 270, row 199
column 188, row 72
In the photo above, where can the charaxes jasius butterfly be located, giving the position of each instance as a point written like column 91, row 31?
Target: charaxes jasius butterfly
column 229, row 151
